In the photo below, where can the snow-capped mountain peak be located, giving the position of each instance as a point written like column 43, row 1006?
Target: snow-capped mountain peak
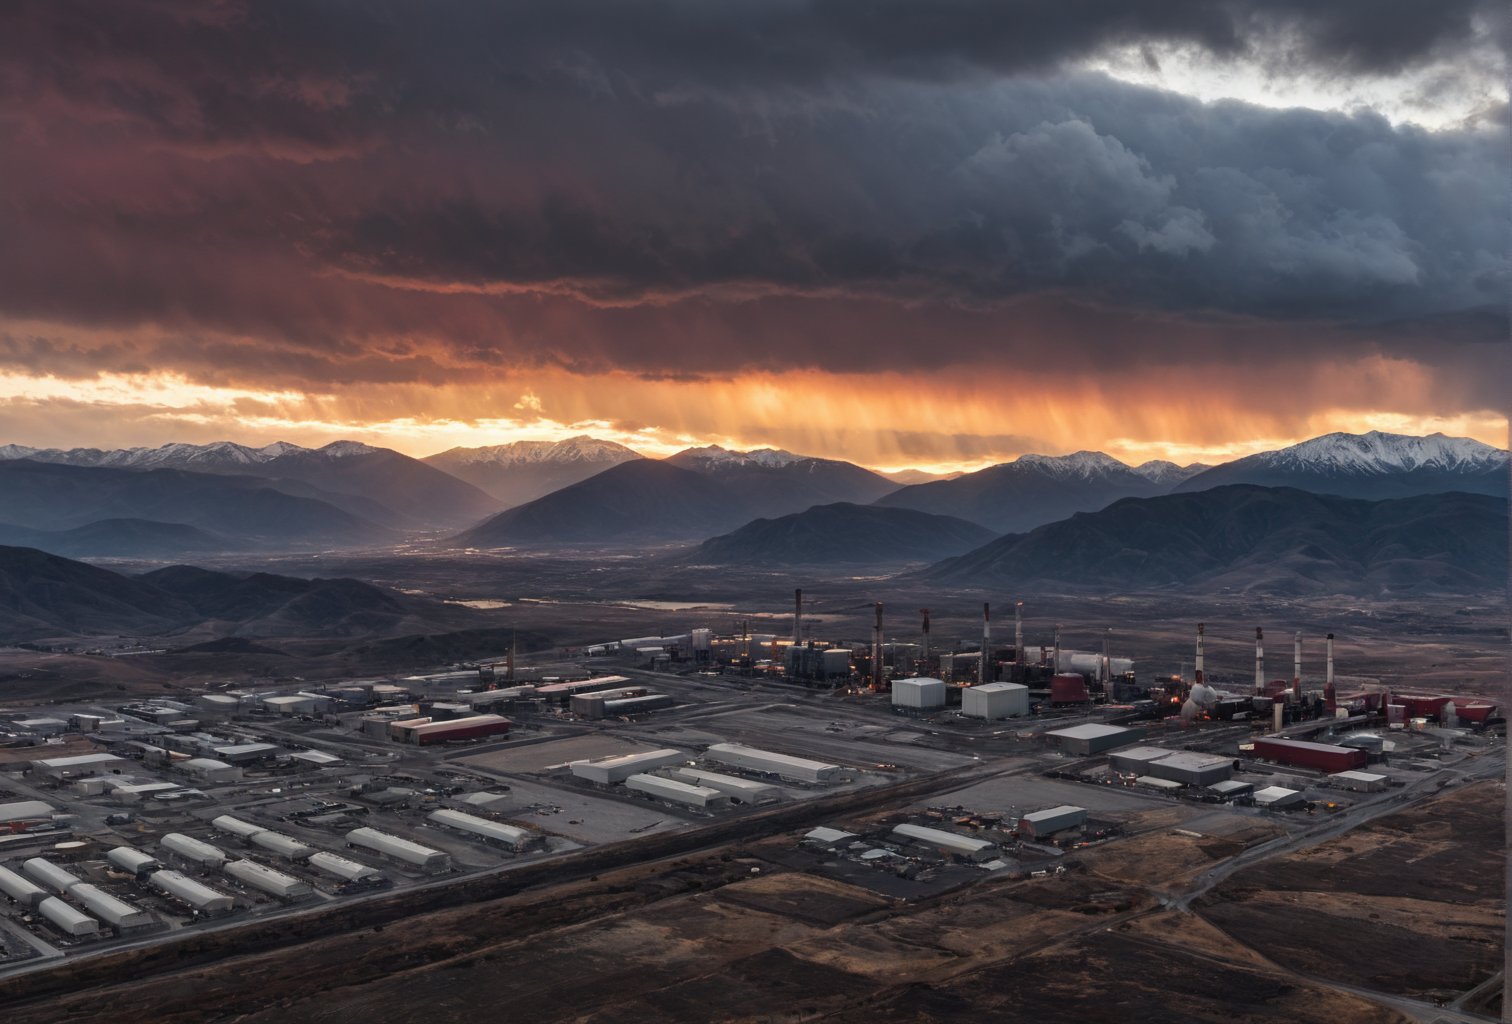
column 1378, row 453
column 1165, row 472
column 1078, row 465
column 581, row 449
column 347, row 449
column 714, row 455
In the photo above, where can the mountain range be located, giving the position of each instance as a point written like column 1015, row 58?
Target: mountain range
column 525, row 470
column 1372, row 465
column 44, row 595
column 1243, row 537
column 376, row 484
column 842, row 533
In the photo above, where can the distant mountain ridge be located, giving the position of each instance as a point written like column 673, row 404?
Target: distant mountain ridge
column 525, row 470
column 771, row 482
column 842, row 533
column 377, row 484
column 1370, row 465
column 44, row 595
column 1243, row 537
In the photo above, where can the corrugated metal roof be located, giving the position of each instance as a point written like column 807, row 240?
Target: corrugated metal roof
column 1089, row 731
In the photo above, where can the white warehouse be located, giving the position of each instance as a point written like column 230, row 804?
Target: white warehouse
column 919, row 692
column 510, row 835
column 50, row 875
column 276, row 883
column 22, row 890
column 675, row 792
column 115, row 912
column 193, row 850
column 395, row 848
column 281, row 845
column 617, row 769
column 744, row 791
column 345, row 869
column 199, row 896
column 794, row 769
column 951, row 842
column 995, row 700
column 134, row 861
column 69, row 920
column 235, row 827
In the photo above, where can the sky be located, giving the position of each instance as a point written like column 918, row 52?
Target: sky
column 936, row 234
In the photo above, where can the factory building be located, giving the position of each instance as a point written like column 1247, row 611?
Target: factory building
column 676, row 792
column 1133, row 760
column 610, row 770
column 21, row 889
column 246, row 753
column 61, row 769
column 1325, row 757
column 742, row 791
column 1069, row 688
column 132, row 861
column 402, row 850
column 1359, row 782
column 561, row 693
column 920, row 693
column 218, row 705
column 315, row 758
column 117, row 913
column 25, row 810
column 49, row 875
column 347, row 870
column 280, row 845
column 198, row 896
column 953, row 844
column 995, row 700
column 193, row 850
column 794, row 769
column 828, row 838
column 1278, row 798
column 591, row 705
column 828, row 664
column 1088, row 739
column 291, row 704
column 1231, row 789
column 67, row 919
column 636, row 705
column 1159, row 785
column 275, row 883
column 1044, row 823
column 509, row 835
column 469, row 728
column 136, row 792
column 1190, row 768
column 210, row 771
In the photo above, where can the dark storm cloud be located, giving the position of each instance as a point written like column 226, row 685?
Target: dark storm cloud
column 656, row 185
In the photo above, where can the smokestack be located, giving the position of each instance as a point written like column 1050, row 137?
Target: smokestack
column 1329, row 677
column 925, row 612
column 798, row 618
column 1105, row 667
column 982, row 676
column 877, row 650
column 1018, row 632
column 1297, row 666
column 1259, row 660
column 1198, row 674
column 1056, row 663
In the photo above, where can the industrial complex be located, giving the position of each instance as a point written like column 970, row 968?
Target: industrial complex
column 151, row 819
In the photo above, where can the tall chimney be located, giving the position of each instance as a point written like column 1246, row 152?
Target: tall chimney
column 877, row 650
column 1259, row 660
column 1197, row 676
column 798, row 618
column 1297, row 667
column 982, row 669
column 1018, row 632
column 1105, row 667
column 1055, row 664
column 925, row 612
column 1329, row 677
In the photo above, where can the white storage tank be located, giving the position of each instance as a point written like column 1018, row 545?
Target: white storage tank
column 344, row 868
column 49, row 875
column 511, row 836
column 198, row 895
column 281, row 845
column 676, row 792
column 196, row 851
column 23, row 890
column 69, row 920
column 395, row 848
column 995, row 700
column 134, row 861
column 919, row 692
column 115, row 912
column 276, row 883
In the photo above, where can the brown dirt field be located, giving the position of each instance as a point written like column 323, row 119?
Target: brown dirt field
column 71, row 746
